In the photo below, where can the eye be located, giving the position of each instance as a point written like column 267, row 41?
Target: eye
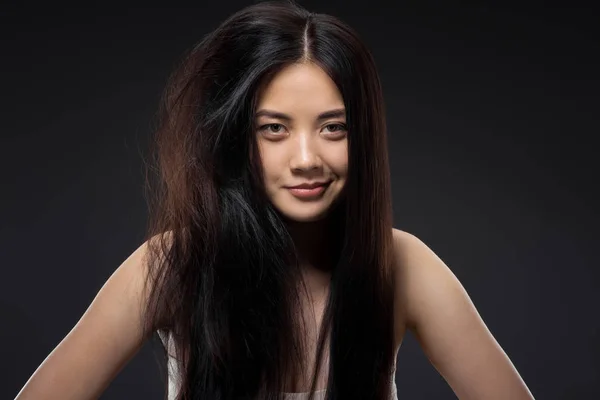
column 337, row 128
column 271, row 128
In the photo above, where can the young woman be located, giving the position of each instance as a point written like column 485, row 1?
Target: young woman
column 271, row 268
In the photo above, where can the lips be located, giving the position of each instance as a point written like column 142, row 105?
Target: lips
column 309, row 191
column 310, row 185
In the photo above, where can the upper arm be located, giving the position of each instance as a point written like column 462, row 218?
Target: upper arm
column 106, row 337
column 448, row 327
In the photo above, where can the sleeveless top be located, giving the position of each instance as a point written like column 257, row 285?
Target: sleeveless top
column 173, row 383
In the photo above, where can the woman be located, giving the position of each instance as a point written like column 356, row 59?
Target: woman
column 271, row 268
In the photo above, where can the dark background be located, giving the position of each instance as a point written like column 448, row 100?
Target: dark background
column 493, row 119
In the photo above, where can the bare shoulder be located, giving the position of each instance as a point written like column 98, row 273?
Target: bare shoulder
column 419, row 271
column 436, row 308
column 105, row 338
column 407, row 258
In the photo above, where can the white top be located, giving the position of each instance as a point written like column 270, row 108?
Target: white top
column 320, row 394
column 173, row 383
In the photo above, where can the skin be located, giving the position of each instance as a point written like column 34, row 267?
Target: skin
column 435, row 307
column 301, row 147
column 431, row 302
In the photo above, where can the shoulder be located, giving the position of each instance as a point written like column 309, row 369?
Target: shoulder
column 106, row 337
column 436, row 308
column 423, row 280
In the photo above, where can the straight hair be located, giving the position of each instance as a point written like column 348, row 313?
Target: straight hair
column 224, row 284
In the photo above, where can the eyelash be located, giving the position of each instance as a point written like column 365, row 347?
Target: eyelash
column 342, row 127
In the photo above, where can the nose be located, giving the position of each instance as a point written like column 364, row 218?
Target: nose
column 305, row 155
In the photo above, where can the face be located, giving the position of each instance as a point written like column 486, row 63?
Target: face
column 300, row 127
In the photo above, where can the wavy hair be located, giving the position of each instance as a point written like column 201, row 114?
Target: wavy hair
column 223, row 281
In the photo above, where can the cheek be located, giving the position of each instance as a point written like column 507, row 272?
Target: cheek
column 270, row 163
column 339, row 161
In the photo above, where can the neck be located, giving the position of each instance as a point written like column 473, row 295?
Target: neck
column 316, row 256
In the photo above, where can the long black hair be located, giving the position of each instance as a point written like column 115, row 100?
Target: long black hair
column 223, row 282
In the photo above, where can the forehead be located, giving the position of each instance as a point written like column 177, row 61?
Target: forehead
column 300, row 87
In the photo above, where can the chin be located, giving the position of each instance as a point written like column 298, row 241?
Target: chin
column 302, row 213
column 304, row 217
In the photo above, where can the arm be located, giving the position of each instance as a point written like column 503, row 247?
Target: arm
column 106, row 337
column 449, row 329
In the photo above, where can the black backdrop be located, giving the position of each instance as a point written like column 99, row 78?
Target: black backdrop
column 492, row 115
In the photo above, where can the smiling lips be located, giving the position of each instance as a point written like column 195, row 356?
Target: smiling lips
column 309, row 190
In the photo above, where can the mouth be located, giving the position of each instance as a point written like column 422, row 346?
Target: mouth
column 309, row 191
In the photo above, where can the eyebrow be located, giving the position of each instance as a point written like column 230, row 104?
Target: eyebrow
column 337, row 113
